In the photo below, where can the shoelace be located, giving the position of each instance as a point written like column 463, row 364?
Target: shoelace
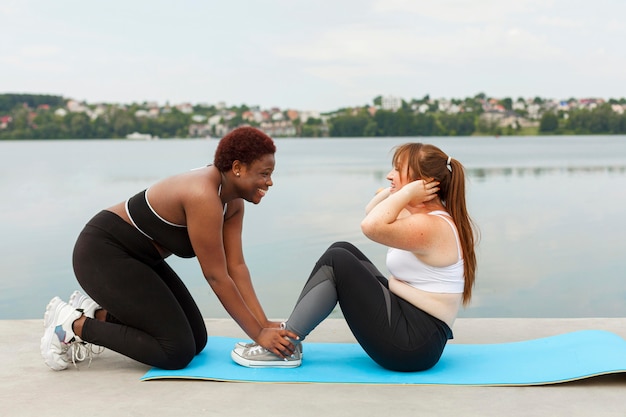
column 256, row 350
column 80, row 351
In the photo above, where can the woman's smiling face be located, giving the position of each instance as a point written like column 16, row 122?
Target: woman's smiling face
column 256, row 178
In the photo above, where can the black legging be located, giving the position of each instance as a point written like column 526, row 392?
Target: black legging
column 152, row 317
column 393, row 332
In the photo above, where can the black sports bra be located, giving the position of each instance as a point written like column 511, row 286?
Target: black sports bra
column 171, row 236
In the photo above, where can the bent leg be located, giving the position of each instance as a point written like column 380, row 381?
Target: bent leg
column 394, row 333
column 319, row 295
column 186, row 302
column 150, row 325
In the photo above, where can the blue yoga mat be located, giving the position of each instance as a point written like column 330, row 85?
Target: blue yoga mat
column 549, row 360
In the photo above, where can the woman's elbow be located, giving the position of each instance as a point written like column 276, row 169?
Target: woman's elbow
column 212, row 280
column 367, row 227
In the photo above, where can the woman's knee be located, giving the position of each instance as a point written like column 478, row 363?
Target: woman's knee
column 201, row 341
column 334, row 256
column 343, row 245
column 178, row 359
column 349, row 247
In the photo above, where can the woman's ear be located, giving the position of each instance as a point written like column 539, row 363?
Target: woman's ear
column 236, row 167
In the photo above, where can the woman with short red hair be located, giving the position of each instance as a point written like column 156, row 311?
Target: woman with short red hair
column 136, row 304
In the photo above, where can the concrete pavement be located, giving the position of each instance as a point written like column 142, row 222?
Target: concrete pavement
column 111, row 386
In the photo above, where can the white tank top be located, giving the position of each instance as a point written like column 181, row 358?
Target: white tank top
column 407, row 267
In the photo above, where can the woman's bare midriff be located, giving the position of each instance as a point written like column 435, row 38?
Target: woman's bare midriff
column 443, row 306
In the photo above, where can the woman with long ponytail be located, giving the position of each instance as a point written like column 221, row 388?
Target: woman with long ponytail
column 402, row 321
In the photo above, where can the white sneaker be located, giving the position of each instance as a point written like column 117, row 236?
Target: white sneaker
column 58, row 338
column 252, row 355
column 84, row 303
column 240, row 346
column 243, row 345
column 83, row 350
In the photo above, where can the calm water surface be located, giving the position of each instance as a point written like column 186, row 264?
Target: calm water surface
column 552, row 215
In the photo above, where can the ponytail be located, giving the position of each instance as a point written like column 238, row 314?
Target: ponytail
column 428, row 161
column 454, row 201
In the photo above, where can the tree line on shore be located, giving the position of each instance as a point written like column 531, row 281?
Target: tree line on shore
column 33, row 116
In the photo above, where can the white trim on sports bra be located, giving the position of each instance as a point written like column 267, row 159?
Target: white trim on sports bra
column 133, row 221
column 145, row 194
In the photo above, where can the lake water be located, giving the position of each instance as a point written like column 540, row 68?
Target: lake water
column 551, row 210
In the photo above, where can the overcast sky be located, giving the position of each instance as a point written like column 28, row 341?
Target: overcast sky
column 312, row 55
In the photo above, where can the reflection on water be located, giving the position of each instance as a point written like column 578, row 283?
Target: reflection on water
column 484, row 173
column 551, row 212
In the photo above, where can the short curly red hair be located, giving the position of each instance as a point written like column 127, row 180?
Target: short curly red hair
column 245, row 144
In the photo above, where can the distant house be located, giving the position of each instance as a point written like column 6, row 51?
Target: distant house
column 221, row 130
column 454, row 109
column 282, row 128
column 534, row 111
column 519, row 105
column 391, row 103
column 100, row 110
column 76, row 107
column 308, row 114
column 248, row 116
column 506, row 119
column 198, row 118
column 185, row 108
column 254, row 115
column 293, row 114
column 200, row 130
column 215, row 119
column 4, row 121
column 60, row 112
column 423, row 108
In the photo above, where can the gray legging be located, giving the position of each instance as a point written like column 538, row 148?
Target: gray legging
column 393, row 332
column 151, row 316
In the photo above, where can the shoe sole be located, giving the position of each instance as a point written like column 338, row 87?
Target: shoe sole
column 264, row 364
column 52, row 310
